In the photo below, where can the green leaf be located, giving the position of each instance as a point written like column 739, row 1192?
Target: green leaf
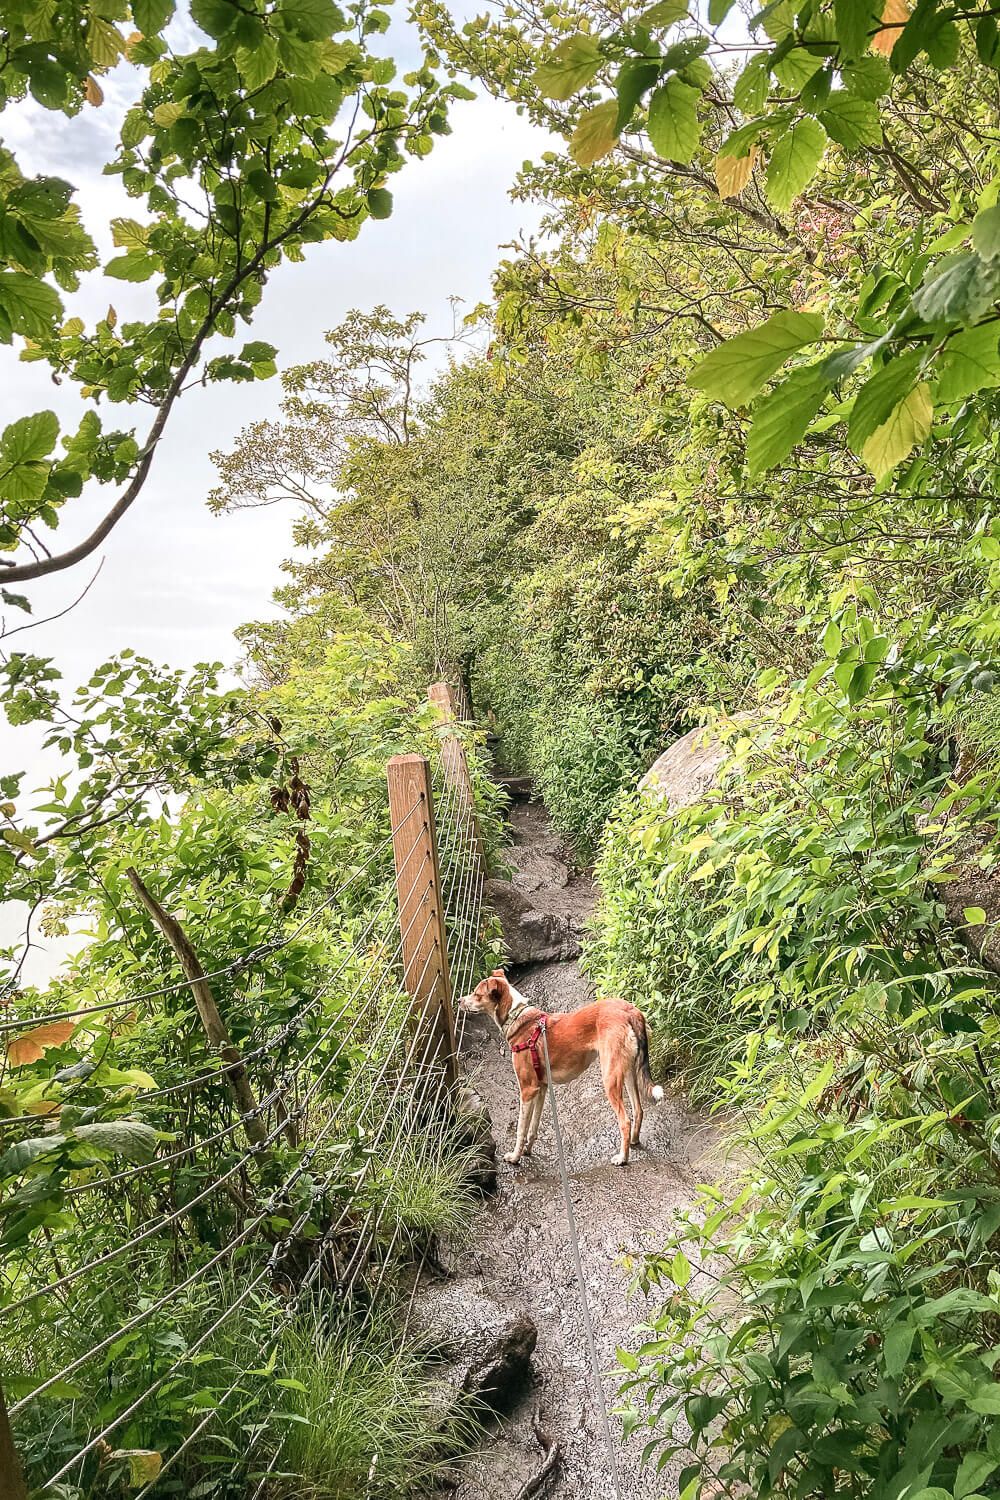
column 782, row 417
column 986, row 233
column 851, row 122
column 379, row 201
column 596, row 134
column 634, row 78
column 962, row 292
column 658, row 17
column 569, row 68
column 739, row 368
column 795, row 157
column 969, row 362
column 168, row 114
column 132, row 1139
column 897, row 1346
column 31, row 305
column 674, row 127
column 796, row 68
column 974, row 916
column 879, row 394
column 152, row 15
column 24, row 450
column 986, row 1400
column 136, row 265
column 258, row 65
column 868, row 78
column 751, row 88
column 854, row 22
column 908, row 426
column 972, row 1471
column 216, row 17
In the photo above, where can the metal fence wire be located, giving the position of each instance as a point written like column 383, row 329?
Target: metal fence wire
column 192, row 1249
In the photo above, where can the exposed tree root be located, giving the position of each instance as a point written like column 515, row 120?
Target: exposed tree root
column 552, row 1452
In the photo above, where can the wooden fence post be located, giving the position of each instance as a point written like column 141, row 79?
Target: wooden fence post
column 12, row 1485
column 421, row 910
column 455, row 764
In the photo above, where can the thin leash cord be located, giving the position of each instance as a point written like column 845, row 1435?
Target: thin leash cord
column 578, row 1268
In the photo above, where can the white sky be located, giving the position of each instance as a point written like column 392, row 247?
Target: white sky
column 176, row 580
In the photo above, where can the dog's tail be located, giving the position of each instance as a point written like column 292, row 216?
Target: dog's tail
column 652, row 1090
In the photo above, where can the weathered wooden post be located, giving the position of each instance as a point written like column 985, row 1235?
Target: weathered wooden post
column 421, row 908
column 12, row 1485
column 455, row 764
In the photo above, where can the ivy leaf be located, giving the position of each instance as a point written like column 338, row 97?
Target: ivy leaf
column 782, row 417
column 569, row 68
column 674, row 127
column 795, row 157
column 975, row 916
column 739, row 368
column 596, row 134
column 969, row 363
column 908, row 426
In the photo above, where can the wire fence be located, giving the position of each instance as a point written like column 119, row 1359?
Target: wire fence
column 144, row 1306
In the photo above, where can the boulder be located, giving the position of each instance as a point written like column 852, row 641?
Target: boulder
column 529, row 936
column 481, row 1346
column 475, row 1130
column 684, row 773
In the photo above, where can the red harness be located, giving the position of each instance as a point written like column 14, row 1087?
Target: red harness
column 531, row 1045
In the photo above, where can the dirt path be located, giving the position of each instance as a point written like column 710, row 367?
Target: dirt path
column 520, row 1241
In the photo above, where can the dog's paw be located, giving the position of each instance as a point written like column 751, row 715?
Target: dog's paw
column 512, row 1156
column 621, row 1160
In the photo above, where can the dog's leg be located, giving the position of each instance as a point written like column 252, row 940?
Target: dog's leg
column 537, row 1110
column 634, row 1091
column 614, row 1081
column 523, row 1120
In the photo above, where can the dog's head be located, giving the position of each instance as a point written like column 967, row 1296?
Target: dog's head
column 491, row 997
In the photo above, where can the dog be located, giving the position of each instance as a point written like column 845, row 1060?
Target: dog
column 611, row 1030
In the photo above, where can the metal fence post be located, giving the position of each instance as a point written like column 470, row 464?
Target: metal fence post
column 421, row 909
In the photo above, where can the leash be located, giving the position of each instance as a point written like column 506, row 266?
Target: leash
column 578, row 1267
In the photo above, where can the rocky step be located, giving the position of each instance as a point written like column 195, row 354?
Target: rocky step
column 518, row 788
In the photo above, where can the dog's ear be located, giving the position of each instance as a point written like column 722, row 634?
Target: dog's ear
column 498, row 974
column 494, row 985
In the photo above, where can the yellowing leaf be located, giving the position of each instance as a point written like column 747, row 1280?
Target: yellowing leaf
column 43, row 1107
column 908, row 425
column 144, row 1464
column 732, row 173
column 128, row 234
column 92, row 92
column 105, row 42
column 569, row 68
column 29, row 1046
column 168, row 114
column 596, row 134
column 894, row 18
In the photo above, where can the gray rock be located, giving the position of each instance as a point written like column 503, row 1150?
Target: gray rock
column 518, row 788
column 476, row 1131
column 482, row 1345
column 529, row 936
column 684, row 772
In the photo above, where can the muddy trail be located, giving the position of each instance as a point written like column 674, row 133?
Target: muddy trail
column 520, row 1241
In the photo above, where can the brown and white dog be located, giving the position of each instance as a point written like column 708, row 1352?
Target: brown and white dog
column 611, row 1030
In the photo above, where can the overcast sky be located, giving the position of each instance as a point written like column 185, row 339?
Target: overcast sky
column 176, row 580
